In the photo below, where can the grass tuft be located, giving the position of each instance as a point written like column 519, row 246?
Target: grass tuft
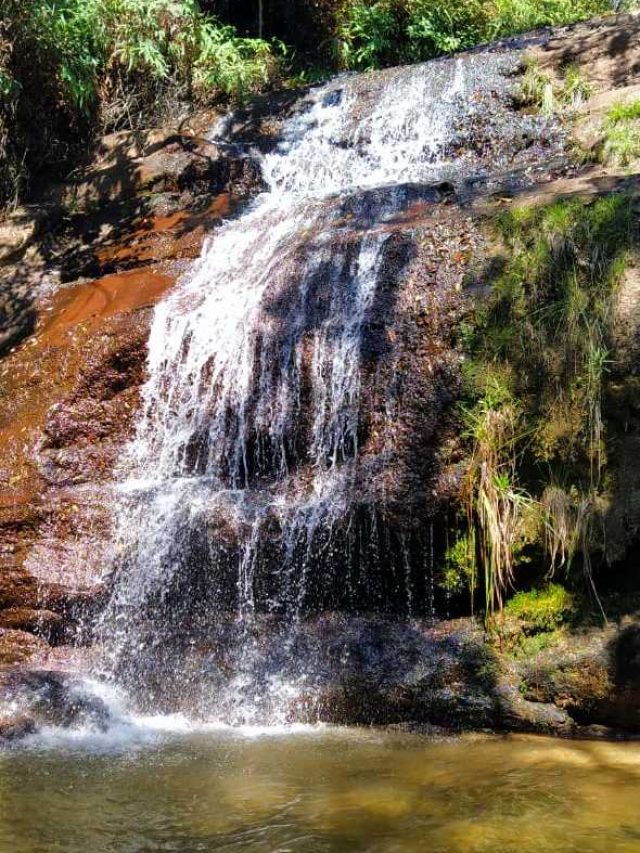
column 535, row 378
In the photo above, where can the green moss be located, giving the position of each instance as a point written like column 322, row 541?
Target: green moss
column 541, row 609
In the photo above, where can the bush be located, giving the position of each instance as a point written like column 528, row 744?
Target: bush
column 375, row 33
column 541, row 609
column 72, row 62
column 518, row 16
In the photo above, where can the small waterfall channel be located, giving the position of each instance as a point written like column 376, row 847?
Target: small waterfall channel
column 253, row 496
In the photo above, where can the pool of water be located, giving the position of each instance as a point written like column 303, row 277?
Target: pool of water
column 318, row 790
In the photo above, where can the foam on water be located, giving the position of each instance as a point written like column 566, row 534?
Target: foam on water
column 122, row 729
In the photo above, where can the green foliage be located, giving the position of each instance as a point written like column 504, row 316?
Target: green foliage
column 621, row 143
column 622, row 112
column 435, row 27
column 370, row 35
column 158, row 38
column 541, row 609
column 535, row 378
column 516, row 16
column 374, row 33
column 384, row 32
column 68, row 62
column 460, row 566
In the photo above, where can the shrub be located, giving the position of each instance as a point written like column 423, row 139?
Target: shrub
column 72, row 62
column 518, row 16
column 384, row 32
column 374, row 33
column 435, row 27
column 541, row 609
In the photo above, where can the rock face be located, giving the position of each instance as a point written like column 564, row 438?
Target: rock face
column 74, row 328
column 78, row 290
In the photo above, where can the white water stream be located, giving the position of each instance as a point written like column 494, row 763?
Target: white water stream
column 247, row 448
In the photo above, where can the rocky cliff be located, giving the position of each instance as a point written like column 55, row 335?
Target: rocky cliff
column 81, row 272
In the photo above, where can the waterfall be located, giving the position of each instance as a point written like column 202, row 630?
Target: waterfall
column 243, row 505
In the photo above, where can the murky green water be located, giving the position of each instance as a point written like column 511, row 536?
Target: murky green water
column 322, row 791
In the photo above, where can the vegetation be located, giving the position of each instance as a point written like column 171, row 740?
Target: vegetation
column 538, row 89
column 382, row 32
column 622, row 133
column 536, row 370
column 68, row 66
column 541, row 609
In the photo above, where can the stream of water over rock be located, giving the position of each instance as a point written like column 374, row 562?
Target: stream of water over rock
column 253, row 495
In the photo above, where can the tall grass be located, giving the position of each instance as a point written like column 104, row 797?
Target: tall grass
column 536, row 376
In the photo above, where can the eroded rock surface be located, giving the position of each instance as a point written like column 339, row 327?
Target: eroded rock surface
column 80, row 275
column 78, row 292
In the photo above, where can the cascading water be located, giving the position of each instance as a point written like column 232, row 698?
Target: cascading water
column 244, row 505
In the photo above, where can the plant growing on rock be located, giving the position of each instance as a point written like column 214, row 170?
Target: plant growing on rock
column 541, row 609
column 536, row 375
column 537, row 89
column 621, row 143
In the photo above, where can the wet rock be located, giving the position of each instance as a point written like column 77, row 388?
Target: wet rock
column 17, row 588
column 18, row 646
column 161, row 161
column 54, row 699
column 593, row 675
column 74, row 400
column 16, row 727
column 44, row 623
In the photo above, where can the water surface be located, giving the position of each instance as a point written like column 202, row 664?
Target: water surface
column 319, row 790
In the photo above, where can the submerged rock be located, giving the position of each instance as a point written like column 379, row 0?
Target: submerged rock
column 15, row 728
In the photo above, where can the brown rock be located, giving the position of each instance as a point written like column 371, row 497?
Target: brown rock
column 14, row 728
column 18, row 646
column 40, row 622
